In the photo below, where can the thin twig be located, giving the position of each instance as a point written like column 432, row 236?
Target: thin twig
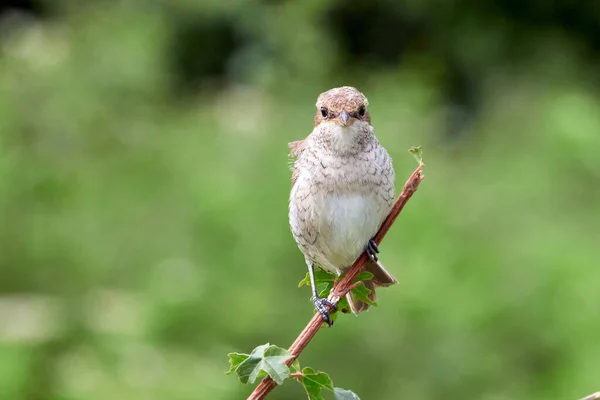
column 344, row 285
column 593, row 396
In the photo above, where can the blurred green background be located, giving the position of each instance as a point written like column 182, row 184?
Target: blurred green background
column 144, row 183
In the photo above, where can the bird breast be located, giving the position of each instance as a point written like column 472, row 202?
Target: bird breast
column 348, row 220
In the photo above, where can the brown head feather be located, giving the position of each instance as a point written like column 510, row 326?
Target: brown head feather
column 336, row 100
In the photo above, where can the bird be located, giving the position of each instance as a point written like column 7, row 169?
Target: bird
column 342, row 190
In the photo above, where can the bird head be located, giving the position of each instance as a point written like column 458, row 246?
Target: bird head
column 342, row 106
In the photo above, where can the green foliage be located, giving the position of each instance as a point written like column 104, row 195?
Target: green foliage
column 324, row 281
column 267, row 359
column 361, row 292
column 270, row 359
column 417, row 152
column 321, row 276
column 342, row 394
column 314, row 382
column 235, row 359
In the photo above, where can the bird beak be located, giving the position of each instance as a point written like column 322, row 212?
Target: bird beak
column 344, row 117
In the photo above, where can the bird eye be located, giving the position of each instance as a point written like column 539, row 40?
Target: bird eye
column 324, row 112
column 361, row 111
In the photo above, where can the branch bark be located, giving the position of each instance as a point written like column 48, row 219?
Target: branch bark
column 344, row 285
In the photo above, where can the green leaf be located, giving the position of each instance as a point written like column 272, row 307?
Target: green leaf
column 364, row 276
column 342, row 394
column 315, row 381
column 324, row 289
column 320, row 277
column 361, row 292
column 235, row 359
column 324, row 282
column 295, row 367
column 417, row 153
column 268, row 359
column 246, row 369
column 343, row 306
column 274, row 361
column 305, row 281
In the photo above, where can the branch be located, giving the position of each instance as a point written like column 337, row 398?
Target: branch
column 345, row 284
column 593, row 396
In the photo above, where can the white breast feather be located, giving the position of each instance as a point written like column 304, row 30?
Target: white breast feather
column 348, row 222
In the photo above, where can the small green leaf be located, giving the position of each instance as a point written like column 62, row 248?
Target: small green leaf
column 342, row 394
column 246, row 369
column 305, row 281
column 235, row 359
column 364, row 276
column 266, row 358
column 320, row 277
column 314, row 381
column 295, row 367
column 324, row 289
column 323, row 276
column 361, row 292
column 274, row 362
column 417, row 153
column 343, row 306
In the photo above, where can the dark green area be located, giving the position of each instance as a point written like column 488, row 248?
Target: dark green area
column 144, row 184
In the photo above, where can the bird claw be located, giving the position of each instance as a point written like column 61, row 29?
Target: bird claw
column 323, row 306
column 372, row 250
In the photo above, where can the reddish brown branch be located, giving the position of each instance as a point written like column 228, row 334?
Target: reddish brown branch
column 344, row 285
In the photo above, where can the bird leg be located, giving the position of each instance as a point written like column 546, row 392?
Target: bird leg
column 321, row 304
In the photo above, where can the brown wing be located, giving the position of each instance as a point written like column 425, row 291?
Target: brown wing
column 296, row 148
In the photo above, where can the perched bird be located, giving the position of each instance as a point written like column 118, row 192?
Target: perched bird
column 342, row 190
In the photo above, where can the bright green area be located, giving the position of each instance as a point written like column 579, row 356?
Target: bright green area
column 144, row 233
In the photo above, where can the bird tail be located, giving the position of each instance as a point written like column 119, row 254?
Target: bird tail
column 381, row 278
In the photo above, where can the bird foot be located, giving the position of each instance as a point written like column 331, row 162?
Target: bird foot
column 324, row 306
column 372, row 250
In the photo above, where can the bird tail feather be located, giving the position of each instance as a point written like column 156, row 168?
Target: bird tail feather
column 381, row 278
